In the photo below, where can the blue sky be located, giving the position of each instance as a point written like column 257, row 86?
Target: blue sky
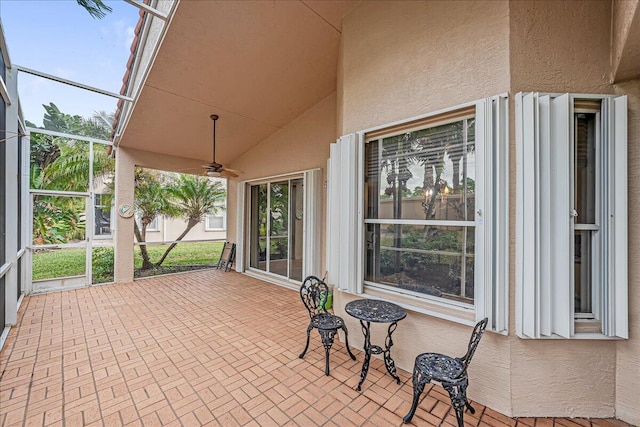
column 60, row 38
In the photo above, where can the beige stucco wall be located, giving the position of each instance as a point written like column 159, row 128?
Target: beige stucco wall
column 402, row 59
column 561, row 47
column 628, row 352
column 301, row 145
column 170, row 228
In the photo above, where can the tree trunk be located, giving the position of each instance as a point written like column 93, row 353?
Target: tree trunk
column 140, row 236
column 432, row 202
column 397, row 214
column 192, row 223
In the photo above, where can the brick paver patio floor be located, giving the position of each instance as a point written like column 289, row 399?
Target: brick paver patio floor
column 202, row 348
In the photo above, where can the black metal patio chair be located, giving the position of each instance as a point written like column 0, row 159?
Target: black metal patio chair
column 451, row 372
column 314, row 293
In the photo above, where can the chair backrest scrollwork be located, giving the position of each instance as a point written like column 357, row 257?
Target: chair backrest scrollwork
column 477, row 333
column 314, row 293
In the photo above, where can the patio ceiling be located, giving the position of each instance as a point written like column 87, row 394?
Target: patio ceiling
column 257, row 64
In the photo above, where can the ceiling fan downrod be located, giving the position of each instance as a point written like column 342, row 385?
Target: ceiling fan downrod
column 214, row 117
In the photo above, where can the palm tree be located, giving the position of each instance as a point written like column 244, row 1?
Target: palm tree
column 150, row 201
column 194, row 197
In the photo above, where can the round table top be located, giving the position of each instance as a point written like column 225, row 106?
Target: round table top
column 374, row 310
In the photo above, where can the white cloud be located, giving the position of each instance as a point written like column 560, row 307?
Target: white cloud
column 130, row 36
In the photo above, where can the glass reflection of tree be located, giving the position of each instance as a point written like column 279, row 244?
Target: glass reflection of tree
column 396, row 159
column 279, row 215
column 432, row 149
column 262, row 218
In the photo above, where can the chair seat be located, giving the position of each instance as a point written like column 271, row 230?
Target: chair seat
column 440, row 367
column 327, row 321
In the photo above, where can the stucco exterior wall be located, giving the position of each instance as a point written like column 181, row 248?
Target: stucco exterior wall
column 170, row 228
column 402, row 59
column 628, row 352
column 301, row 145
column 560, row 47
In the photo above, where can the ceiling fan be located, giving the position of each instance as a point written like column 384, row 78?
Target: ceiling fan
column 214, row 168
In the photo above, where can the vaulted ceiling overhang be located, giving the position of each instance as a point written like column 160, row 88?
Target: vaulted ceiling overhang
column 256, row 64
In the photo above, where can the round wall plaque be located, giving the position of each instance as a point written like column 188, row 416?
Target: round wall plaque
column 126, row 211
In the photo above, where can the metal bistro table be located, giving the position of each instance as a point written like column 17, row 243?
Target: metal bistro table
column 373, row 310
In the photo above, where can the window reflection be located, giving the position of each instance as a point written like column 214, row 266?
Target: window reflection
column 428, row 176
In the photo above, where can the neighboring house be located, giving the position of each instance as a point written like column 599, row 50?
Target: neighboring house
column 463, row 159
column 164, row 229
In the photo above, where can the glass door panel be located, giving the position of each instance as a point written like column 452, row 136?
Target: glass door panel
column 258, row 252
column 297, row 226
column 279, row 228
column 276, row 224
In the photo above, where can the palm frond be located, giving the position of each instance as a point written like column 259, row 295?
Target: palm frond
column 96, row 8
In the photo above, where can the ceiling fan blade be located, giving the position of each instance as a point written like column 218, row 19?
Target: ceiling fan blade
column 234, row 171
column 229, row 173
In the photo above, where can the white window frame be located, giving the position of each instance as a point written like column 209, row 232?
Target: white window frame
column 345, row 220
column 221, row 214
column 545, row 230
column 154, row 225
column 108, row 235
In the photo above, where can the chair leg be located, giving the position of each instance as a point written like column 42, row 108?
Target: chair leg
column 306, row 347
column 419, row 381
column 458, row 399
column 346, row 342
column 327, row 341
column 469, row 407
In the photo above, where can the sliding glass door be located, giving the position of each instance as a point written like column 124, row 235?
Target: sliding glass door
column 276, row 227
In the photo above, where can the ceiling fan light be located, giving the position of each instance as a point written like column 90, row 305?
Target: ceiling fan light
column 214, row 174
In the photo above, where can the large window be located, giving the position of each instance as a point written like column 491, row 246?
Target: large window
column 419, row 209
column 572, row 216
column 418, row 213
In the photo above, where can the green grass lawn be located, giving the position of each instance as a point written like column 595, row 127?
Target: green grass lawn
column 49, row 264
column 183, row 254
column 71, row 262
